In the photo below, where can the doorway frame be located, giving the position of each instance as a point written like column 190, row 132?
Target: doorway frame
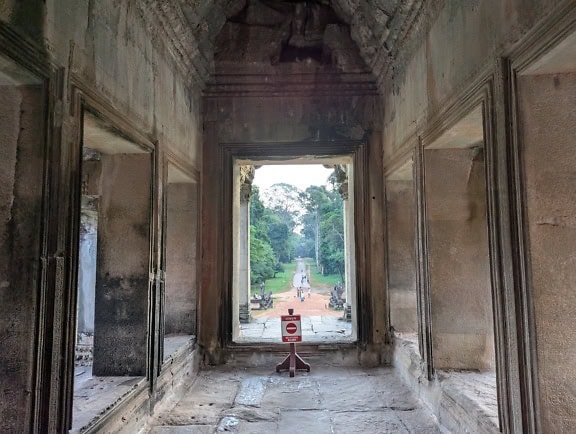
column 84, row 98
column 283, row 151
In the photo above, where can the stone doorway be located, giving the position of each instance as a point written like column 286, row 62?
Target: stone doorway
column 325, row 302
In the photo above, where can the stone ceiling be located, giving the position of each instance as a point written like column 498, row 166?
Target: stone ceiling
column 382, row 30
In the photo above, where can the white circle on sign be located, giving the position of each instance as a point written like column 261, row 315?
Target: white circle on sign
column 291, row 328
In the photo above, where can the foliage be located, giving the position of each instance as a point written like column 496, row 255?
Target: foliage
column 327, row 280
column 262, row 258
column 283, row 200
column 272, row 239
column 324, row 222
column 281, row 283
column 274, row 216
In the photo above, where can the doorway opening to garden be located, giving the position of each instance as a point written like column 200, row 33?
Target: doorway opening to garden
column 293, row 247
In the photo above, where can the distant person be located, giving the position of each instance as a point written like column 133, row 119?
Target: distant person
column 309, row 291
column 262, row 287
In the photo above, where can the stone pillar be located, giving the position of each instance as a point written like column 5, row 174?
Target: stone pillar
column 87, row 265
column 122, row 277
column 181, row 238
column 87, row 259
column 460, row 286
column 246, row 177
column 343, row 176
column 401, row 255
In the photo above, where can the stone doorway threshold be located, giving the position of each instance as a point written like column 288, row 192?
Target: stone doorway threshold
column 315, row 330
column 174, row 342
column 95, row 397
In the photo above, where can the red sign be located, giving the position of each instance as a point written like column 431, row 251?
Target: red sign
column 291, row 328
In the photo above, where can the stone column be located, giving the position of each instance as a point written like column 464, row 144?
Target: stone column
column 122, row 276
column 460, row 285
column 246, row 177
column 342, row 175
column 87, row 259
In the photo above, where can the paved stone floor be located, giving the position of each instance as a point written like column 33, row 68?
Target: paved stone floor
column 326, row 400
column 315, row 329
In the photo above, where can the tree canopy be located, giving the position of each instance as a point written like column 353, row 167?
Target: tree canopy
column 324, row 221
column 272, row 238
column 277, row 213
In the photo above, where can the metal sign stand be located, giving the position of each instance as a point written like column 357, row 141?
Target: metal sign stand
column 293, row 361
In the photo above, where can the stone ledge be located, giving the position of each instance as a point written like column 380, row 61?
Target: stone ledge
column 457, row 411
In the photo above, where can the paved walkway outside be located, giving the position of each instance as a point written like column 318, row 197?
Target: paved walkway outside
column 300, row 279
column 324, row 401
column 320, row 324
column 315, row 329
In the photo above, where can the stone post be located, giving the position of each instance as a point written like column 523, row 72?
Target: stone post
column 246, row 177
column 343, row 175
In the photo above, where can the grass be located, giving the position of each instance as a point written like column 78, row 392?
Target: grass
column 321, row 280
column 281, row 283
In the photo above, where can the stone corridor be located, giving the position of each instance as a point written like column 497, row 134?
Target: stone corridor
column 130, row 133
column 328, row 400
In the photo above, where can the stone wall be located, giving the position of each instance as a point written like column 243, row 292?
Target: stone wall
column 21, row 176
column 122, row 277
column 112, row 48
column 401, row 255
column 463, row 39
column 181, row 260
column 460, row 287
column 115, row 54
column 548, row 115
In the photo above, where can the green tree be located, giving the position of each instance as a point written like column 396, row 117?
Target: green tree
column 324, row 223
column 262, row 258
column 271, row 231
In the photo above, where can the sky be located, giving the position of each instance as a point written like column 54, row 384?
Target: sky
column 300, row 175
